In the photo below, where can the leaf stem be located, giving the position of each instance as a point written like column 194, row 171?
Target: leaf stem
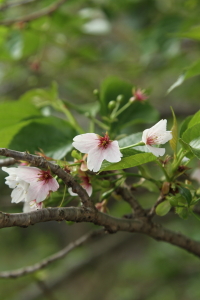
column 134, row 145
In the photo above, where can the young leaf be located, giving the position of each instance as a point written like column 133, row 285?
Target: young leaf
column 194, row 120
column 191, row 138
column 163, row 208
column 128, row 162
column 54, row 136
column 184, row 125
column 186, row 194
column 174, row 140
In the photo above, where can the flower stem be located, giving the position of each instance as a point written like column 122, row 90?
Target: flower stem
column 99, row 123
column 164, row 171
column 134, row 145
column 123, row 108
column 70, row 117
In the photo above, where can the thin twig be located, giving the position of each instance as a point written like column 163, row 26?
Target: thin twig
column 36, row 15
column 7, row 162
column 127, row 195
column 8, row 5
column 153, row 209
column 45, row 262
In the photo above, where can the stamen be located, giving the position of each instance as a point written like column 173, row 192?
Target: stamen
column 44, row 176
column 104, row 141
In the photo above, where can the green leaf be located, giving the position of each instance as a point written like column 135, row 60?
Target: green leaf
column 192, row 33
column 128, row 161
column 13, row 112
column 182, row 212
column 186, row 194
column 137, row 113
column 187, row 73
column 52, row 135
column 173, row 142
column 184, row 125
column 163, row 208
column 8, row 133
column 192, row 138
column 194, row 120
column 14, row 44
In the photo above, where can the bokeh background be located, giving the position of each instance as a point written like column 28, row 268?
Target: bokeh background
column 149, row 43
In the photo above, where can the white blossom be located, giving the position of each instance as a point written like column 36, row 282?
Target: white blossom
column 157, row 135
column 98, row 148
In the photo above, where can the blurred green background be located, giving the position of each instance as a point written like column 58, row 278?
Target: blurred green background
column 149, row 43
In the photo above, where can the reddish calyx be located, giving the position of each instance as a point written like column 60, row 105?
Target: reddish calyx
column 44, row 176
column 104, row 141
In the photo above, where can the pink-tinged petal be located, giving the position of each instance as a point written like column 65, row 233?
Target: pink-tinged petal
column 52, row 184
column 88, row 189
column 144, row 135
column 156, row 151
column 112, row 152
column 38, row 191
column 85, row 142
column 95, row 159
column 28, row 174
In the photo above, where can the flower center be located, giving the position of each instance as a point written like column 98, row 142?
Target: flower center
column 151, row 140
column 104, row 141
column 44, row 176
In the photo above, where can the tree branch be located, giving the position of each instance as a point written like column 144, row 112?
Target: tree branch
column 35, row 15
column 8, row 5
column 52, row 258
column 39, row 161
column 7, row 162
column 127, row 195
column 112, row 224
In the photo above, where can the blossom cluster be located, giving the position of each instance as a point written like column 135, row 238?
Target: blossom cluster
column 30, row 185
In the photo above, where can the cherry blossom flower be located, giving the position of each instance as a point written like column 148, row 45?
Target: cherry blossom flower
column 138, row 95
column 20, row 187
column 85, row 183
column 31, row 206
column 32, row 182
column 98, row 148
column 157, row 135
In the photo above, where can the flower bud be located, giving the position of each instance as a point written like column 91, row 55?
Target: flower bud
column 96, row 92
column 76, row 155
column 119, row 98
column 165, row 188
column 111, row 104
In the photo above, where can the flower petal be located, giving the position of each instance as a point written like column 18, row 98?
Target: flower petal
column 95, row 159
column 71, row 192
column 156, row 151
column 85, row 142
column 112, row 152
column 145, row 135
column 160, row 126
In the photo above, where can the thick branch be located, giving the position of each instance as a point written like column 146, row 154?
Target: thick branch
column 39, row 161
column 35, row 15
column 112, row 224
column 52, row 258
